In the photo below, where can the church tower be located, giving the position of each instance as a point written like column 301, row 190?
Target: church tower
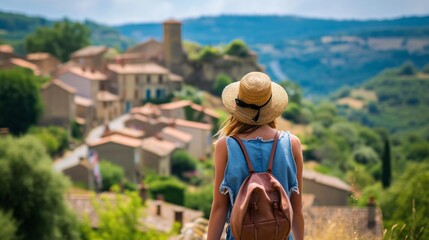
column 173, row 52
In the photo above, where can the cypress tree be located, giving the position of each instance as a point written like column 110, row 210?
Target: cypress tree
column 386, row 164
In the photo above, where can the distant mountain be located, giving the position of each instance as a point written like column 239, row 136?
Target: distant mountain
column 321, row 55
column 15, row 27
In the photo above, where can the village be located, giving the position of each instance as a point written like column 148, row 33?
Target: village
column 114, row 100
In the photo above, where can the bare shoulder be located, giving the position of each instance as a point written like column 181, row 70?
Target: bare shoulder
column 295, row 141
column 221, row 143
column 296, row 150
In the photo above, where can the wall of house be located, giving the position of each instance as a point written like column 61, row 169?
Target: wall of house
column 59, row 107
column 200, row 145
column 81, row 175
column 177, row 113
column 121, row 155
column 82, row 85
column 325, row 195
column 153, row 162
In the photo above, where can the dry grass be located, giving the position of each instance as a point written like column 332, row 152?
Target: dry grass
column 351, row 102
column 297, row 129
column 364, row 94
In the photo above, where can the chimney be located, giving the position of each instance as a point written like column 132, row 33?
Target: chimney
column 143, row 192
column 160, row 199
column 83, row 68
column 371, row 212
column 4, row 132
column 178, row 217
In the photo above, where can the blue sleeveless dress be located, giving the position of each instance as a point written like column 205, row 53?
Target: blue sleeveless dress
column 284, row 167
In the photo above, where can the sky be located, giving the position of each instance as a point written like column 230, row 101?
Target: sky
column 115, row 12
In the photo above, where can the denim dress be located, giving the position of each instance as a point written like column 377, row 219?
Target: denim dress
column 284, row 168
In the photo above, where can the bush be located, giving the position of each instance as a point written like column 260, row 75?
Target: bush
column 182, row 162
column 237, row 48
column 55, row 139
column 200, row 200
column 366, row 155
column 208, row 53
column 221, row 81
column 8, row 226
column 407, row 69
column 170, row 188
column 111, row 174
column 418, row 151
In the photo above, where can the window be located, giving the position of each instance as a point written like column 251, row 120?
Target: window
column 148, row 94
column 160, row 79
column 148, row 78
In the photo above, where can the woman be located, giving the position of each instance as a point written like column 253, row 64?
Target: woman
column 254, row 103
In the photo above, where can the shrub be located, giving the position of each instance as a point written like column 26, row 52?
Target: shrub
column 111, row 174
column 172, row 189
column 182, row 162
column 237, row 48
column 208, row 53
column 221, row 81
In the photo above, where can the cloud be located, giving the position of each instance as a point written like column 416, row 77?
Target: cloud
column 126, row 11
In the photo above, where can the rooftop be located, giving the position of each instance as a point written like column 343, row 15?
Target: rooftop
column 175, row 78
column 58, row 83
column 205, row 110
column 38, row 56
column 89, row 51
column 5, row 48
column 105, row 96
column 90, row 74
column 140, row 68
column 326, row 180
column 191, row 124
column 118, row 139
column 158, row 146
column 177, row 134
column 130, row 132
column 86, row 102
column 175, row 105
column 25, row 64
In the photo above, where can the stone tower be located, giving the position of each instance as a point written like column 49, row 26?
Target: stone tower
column 173, row 52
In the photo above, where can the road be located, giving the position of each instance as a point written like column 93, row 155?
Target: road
column 72, row 158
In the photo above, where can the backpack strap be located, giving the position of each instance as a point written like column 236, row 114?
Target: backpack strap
column 246, row 156
column 273, row 152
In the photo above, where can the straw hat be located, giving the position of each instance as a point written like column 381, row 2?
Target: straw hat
column 255, row 99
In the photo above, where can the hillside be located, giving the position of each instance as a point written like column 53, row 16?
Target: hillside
column 321, row 55
column 401, row 104
column 15, row 27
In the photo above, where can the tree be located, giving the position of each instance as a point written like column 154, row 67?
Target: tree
column 119, row 218
column 20, row 101
column 60, row 40
column 170, row 188
column 293, row 90
column 208, row 53
column 407, row 69
column 55, row 139
column 32, row 192
column 112, row 174
column 8, row 226
column 237, row 48
column 386, row 173
column 406, row 203
column 182, row 162
column 222, row 80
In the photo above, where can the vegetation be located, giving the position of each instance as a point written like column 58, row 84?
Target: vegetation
column 169, row 188
column 237, row 48
column 60, row 40
column 20, row 101
column 55, row 139
column 32, row 193
column 119, row 218
column 8, row 225
column 208, row 54
column 112, row 174
column 221, row 81
column 182, row 163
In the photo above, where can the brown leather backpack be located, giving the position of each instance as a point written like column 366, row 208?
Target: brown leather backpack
column 262, row 209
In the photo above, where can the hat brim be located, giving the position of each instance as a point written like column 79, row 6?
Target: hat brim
column 268, row 113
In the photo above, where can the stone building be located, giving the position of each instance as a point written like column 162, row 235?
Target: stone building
column 46, row 63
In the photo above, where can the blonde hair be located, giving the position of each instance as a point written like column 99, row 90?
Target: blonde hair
column 232, row 126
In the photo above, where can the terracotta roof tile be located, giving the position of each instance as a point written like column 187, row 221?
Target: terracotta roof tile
column 5, row 48
column 191, row 124
column 106, row 96
column 25, row 64
column 175, row 78
column 38, row 56
column 80, row 120
column 59, row 84
column 141, row 68
column 177, row 134
column 87, row 73
column 130, row 132
column 326, row 180
column 86, row 102
column 207, row 111
column 172, row 21
column 175, row 105
column 147, row 110
column 140, row 45
column 118, row 139
column 158, row 146
column 89, row 51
